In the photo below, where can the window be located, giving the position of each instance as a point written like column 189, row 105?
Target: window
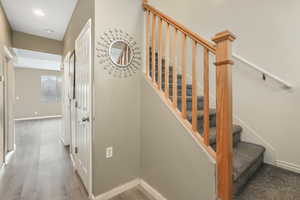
column 51, row 88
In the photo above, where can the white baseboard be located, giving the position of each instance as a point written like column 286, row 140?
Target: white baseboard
column 40, row 117
column 154, row 193
column 128, row 186
column 288, row 166
column 118, row 190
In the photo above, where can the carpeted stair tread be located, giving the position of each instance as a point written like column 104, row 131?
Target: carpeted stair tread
column 236, row 129
column 244, row 156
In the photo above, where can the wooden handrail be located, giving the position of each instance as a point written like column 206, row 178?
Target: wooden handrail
column 194, row 36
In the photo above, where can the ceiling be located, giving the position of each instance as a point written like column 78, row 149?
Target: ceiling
column 36, row 60
column 57, row 14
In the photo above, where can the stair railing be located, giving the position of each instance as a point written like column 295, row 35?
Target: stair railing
column 163, row 49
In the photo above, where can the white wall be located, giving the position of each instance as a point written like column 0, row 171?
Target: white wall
column 267, row 35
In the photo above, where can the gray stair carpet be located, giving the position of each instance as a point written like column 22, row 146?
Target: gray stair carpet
column 247, row 158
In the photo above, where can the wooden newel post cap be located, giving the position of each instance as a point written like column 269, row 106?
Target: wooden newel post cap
column 225, row 35
column 145, row 1
column 223, row 41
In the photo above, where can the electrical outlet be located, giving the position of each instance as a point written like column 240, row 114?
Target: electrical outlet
column 109, row 152
column 35, row 113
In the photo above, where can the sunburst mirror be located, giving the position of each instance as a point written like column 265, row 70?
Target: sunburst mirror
column 118, row 53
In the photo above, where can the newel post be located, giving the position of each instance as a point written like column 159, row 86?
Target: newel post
column 224, row 64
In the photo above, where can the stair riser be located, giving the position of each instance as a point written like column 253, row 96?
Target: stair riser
column 240, row 183
column 212, row 122
column 179, row 91
column 236, row 139
column 189, row 104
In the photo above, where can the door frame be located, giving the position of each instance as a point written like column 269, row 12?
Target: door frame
column 66, row 133
column 87, row 26
column 8, row 103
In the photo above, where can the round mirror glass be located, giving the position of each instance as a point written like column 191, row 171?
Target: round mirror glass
column 120, row 53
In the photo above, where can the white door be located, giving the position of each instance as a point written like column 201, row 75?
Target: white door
column 83, row 92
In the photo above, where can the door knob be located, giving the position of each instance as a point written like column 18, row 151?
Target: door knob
column 85, row 119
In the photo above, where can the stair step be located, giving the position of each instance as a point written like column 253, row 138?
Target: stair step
column 247, row 159
column 236, row 129
column 236, row 135
column 200, row 114
column 189, row 103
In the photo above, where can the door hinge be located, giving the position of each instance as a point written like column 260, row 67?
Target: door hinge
column 76, row 150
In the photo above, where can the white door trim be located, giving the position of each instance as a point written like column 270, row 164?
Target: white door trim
column 9, row 125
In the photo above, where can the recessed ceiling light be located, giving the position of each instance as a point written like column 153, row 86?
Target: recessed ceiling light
column 49, row 31
column 39, row 12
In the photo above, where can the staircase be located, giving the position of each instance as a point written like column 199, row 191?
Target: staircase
column 247, row 157
column 237, row 161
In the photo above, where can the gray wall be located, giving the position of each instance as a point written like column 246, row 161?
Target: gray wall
column 171, row 160
column 84, row 10
column 6, row 32
column 36, row 43
column 28, row 89
column 117, row 102
column 268, row 113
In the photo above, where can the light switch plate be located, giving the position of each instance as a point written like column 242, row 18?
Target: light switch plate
column 109, row 152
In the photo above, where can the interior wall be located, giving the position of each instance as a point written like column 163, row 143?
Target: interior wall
column 116, row 102
column 28, row 101
column 6, row 32
column 83, row 12
column 36, row 43
column 171, row 160
column 267, row 112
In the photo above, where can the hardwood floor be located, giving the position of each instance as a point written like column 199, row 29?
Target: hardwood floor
column 40, row 169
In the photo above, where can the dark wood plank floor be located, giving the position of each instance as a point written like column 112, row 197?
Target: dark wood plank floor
column 40, row 169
